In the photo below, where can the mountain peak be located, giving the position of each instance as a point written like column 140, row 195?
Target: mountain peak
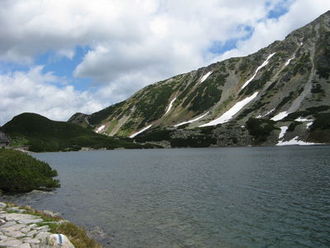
column 285, row 81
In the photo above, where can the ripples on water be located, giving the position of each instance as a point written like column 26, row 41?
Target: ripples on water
column 224, row 197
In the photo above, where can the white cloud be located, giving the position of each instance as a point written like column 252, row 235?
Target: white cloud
column 34, row 91
column 301, row 12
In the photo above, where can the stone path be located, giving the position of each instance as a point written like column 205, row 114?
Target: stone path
column 22, row 230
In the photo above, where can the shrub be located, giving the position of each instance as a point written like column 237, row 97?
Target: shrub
column 260, row 129
column 19, row 172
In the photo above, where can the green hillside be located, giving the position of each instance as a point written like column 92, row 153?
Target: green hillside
column 40, row 134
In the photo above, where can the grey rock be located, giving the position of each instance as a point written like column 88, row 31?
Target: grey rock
column 25, row 245
column 10, row 243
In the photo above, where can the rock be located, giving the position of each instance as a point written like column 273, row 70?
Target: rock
column 31, row 241
column 15, row 234
column 42, row 236
column 50, row 213
column 2, row 204
column 3, row 237
column 21, row 231
column 59, row 241
column 31, row 233
column 21, row 218
column 25, row 245
column 8, row 224
column 10, row 243
column 11, row 228
column 16, row 209
column 2, row 222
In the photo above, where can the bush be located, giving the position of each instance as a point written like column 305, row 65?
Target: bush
column 19, row 172
column 260, row 129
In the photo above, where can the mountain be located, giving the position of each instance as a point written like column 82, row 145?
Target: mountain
column 278, row 95
column 40, row 134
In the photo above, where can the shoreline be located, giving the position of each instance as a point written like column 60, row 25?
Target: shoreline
column 169, row 148
column 25, row 227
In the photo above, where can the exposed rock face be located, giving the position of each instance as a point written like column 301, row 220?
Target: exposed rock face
column 80, row 119
column 287, row 80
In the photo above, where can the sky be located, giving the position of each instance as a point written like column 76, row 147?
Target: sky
column 59, row 57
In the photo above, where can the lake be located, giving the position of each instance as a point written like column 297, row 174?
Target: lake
column 212, row 197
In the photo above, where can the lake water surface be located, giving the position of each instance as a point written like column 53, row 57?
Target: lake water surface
column 216, row 197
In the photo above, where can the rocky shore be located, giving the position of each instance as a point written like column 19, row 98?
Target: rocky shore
column 23, row 227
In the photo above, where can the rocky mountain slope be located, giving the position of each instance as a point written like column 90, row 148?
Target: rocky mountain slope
column 278, row 95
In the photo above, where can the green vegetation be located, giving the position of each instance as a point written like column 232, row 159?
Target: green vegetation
column 257, row 84
column 314, row 111
column 322, row 121
column 320, row 129
column 260, row 129
column 19, row 172
column 206, row 94
column 98, row 117
column 193, row 139
column 303, row 65
column 152, row 106
column 316, row 88
column 293, row 125
column 284, row 101
column 322, row 61
column 154, row 135
column 205, row 98
column 40, row 134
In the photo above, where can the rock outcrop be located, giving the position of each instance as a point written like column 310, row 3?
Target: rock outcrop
column 23, row 230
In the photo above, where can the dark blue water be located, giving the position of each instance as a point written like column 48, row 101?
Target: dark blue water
column 221, row 197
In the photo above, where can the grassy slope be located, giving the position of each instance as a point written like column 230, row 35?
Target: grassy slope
column 41, row 134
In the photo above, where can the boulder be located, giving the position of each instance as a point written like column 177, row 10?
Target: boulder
column 59, row 241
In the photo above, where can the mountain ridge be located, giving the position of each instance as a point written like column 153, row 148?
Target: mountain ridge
column 283, row 78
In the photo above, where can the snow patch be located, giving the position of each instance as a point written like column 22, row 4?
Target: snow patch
column 300, row 119
column 192, row 120
column 141, row 131
column 100, row 129
column 264, row 115
column 288, row 62
column 308, row 125
column 295, row 141
column 206, row 76
column 170, row 106
column 280, row 116
column 283, row 131
column 231, row 112
column 258, row 69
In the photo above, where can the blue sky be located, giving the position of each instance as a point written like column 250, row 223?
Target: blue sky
column 61, row 57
